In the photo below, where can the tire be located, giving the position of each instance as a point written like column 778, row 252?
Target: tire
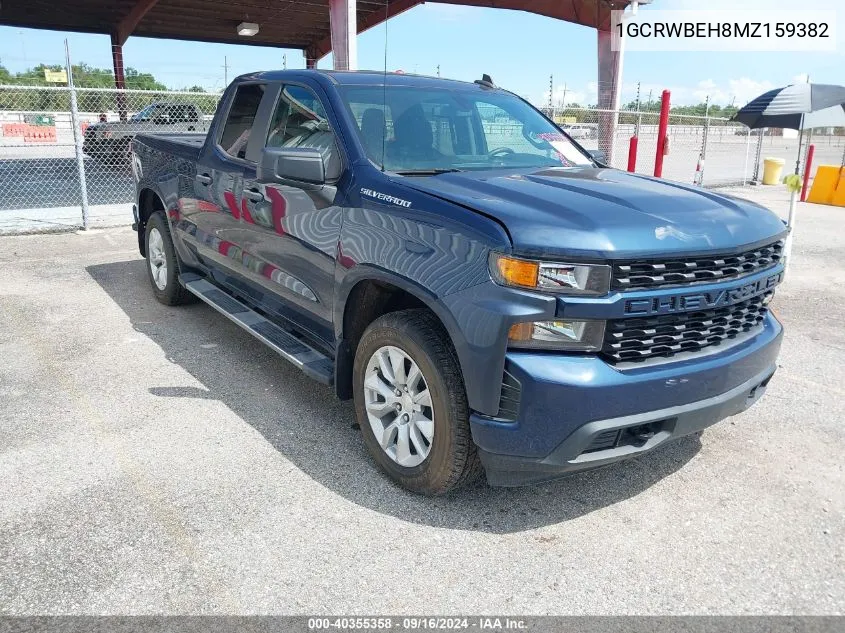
column 449, row 460
column 161, row 257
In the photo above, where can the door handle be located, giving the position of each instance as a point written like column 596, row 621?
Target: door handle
column 254, row 195
column 204, row 179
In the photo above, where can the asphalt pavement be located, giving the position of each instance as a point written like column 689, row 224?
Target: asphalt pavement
column 160, row 460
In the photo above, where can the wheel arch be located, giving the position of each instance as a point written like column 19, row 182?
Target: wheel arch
column 149, row 201
column 367, row 294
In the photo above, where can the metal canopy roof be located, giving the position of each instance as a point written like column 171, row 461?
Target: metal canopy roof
column 302, row 24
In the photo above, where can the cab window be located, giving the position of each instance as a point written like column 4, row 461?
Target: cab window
column 300, row 121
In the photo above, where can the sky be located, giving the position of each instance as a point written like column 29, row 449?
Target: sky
column 519, row 50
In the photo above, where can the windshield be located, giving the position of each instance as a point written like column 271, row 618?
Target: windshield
column 408, row 129
column 147, row 113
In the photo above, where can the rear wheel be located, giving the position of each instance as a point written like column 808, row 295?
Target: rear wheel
column 411, row 404
column 162, row 267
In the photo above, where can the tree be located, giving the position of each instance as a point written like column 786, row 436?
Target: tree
column 85, row 77
column 142, row 81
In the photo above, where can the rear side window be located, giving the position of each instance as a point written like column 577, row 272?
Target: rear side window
column 239, row 121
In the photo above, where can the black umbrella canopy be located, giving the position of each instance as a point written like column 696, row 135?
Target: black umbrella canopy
column 796, row 107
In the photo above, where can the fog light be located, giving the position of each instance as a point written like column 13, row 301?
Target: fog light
column 561, row 334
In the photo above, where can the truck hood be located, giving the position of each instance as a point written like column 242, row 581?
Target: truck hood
column 604, row 213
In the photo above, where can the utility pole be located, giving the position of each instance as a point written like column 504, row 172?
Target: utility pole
column 225, row 71
column 639, row 116
column 438, row 70
column 285, row 61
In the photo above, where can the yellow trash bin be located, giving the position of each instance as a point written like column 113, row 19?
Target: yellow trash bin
column 772, row 169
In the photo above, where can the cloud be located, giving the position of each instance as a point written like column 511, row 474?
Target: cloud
column 737, row 91
column 745, row 89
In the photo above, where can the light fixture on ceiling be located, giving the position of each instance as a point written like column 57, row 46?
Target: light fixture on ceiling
column 247, row 29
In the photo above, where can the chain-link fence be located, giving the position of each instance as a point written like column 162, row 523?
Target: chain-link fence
column 42, row 133
column 710, row 151
column 50, row 153
column 691, row 139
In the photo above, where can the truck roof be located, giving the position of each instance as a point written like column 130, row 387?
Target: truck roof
column 363, row 78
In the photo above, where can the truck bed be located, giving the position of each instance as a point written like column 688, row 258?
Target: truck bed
column 187, row 145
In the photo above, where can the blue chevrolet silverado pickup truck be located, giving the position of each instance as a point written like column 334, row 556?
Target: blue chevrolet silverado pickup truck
column 489, row 293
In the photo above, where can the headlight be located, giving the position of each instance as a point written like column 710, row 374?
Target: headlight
column 571, row 279
column 568, row 335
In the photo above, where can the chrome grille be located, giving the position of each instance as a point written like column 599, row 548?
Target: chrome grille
column 638, row 274
column 639, row 339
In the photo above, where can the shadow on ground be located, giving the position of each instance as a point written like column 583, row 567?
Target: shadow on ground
column 305, row 422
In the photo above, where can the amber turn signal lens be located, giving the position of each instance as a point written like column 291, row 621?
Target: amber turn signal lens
column 518, row 271
column 521, row 332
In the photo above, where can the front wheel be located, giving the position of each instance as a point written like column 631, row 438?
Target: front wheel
column 162, row 267
column 411, row 404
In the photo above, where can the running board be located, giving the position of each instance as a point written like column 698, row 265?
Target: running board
column 313, row 363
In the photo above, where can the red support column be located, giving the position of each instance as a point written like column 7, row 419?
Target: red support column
column 609, row 82
column 343, row 23
column 661, row 133
column 810, row 151
column 311, row 56
column 119, row 78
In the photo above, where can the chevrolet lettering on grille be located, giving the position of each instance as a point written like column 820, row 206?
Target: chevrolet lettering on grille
column 668, row 304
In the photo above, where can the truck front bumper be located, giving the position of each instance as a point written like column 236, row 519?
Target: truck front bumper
column 578, row 412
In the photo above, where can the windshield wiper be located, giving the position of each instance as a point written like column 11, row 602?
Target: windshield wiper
column 426, row 172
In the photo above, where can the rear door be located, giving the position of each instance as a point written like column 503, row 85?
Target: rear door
column 213, row 213
column 291, row 230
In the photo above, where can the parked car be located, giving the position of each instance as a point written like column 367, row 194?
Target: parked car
column 109, row 141
column 507, row 305
column 581, row 130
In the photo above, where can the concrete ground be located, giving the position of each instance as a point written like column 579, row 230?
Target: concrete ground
column 159, row 460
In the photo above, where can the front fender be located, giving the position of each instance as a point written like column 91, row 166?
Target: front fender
column 476, row 319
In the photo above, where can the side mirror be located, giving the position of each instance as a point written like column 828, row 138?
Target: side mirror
column 301, row 164
column 598, row 156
